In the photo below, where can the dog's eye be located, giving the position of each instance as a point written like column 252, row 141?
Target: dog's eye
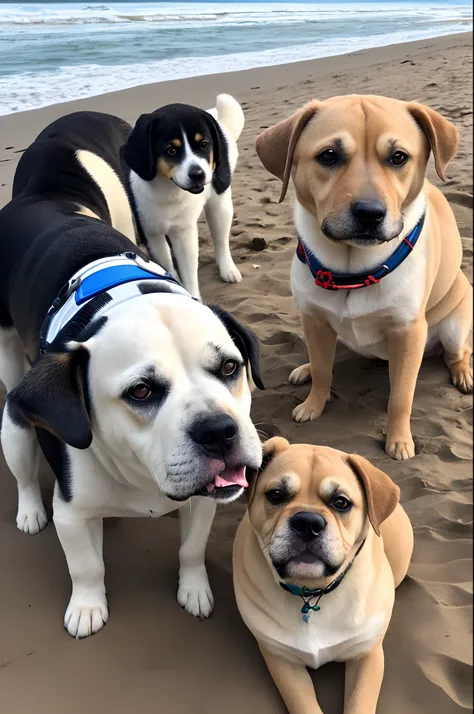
column 171, row 151
column 229, row 367
column 399, row 158
column 276, row 496
column 139, row 392
column 341, row 503
column 204, row 144
column 328, row 157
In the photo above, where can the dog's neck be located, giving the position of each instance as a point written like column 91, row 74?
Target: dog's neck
column 343, row 258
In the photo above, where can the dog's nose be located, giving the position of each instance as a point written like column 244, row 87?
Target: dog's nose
column 215, row 434
column 369, row 211
column 307, row 525
column 196, row 173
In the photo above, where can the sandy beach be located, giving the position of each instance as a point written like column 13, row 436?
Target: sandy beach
column 152, row 656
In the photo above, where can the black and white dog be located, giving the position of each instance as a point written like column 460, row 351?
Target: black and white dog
column 138, row 395
column 181, row 160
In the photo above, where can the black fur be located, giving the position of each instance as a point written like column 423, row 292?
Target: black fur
column 154, row 133
column 246, row 341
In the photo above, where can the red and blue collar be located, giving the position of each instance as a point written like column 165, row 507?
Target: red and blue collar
column 352, row 281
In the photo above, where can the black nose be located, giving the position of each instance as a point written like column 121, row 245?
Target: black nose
column 196, row 173
column 307, row 525
column 369, row 211
column 215, row 434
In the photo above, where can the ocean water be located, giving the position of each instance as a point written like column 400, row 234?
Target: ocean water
column 53, row 51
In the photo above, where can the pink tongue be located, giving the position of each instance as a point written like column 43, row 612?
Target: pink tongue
column 232, row 477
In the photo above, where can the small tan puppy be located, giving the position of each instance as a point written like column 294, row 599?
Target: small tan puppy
column 379, row 254
column 317, row 559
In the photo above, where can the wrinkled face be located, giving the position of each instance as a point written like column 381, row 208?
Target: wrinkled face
column 358, row 165
column 170, row 398
column 308, row 511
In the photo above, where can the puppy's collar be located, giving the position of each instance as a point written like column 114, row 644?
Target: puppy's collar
column 101, row 285
column 311, row 597
column 351, row 281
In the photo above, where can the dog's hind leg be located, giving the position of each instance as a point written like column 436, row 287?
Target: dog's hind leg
column 81, row 538
column 219, row 212
column 454, row 335
column 19, row 443
column 194, row 592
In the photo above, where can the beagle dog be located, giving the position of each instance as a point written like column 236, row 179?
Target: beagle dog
column 378, row 263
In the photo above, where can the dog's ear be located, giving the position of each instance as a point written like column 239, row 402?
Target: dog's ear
column 139, row 151
column 270, row 449
column 245, row 340
column 276, row 145
column 441, row 134
column 221, row 176
column 381, row 492
column 52, row 396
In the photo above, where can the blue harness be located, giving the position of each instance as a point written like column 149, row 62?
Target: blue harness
column 350, row 281
column 115, row 278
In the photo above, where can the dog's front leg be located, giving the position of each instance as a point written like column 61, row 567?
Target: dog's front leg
column 405, row 353
column 293, row 682
column 219, row 213
column 363, row 682
column 185, row 244
column 194, row 591
column 321, row 341
column 81, row 539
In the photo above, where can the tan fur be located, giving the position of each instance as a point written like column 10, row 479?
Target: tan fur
column 369, row 128
column 176, row 142
column 114, row 193
column 165, row 168
column 198, row 137
column 366, row 594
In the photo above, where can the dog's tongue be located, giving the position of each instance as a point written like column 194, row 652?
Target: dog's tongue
column 232, row 477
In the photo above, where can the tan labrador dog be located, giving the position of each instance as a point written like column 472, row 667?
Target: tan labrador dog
column 367, row 218
column 317, row 559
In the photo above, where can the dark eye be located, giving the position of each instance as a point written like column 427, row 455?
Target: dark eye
column 229, row 367
column 171, row 151
column 328, row 157
column 139, row 392
column 204, row 144
column 276, row 496
column 340, row 503
column 399, row 158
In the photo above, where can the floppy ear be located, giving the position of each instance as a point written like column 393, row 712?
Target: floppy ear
column 51, row 396
column 271, row 448
column 222, row 175
column 441, row 133
column 381, row 492
column 139, row 150
column 246, row 341
column 276, row 145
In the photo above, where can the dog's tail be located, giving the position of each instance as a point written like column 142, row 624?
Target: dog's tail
column 230, row 114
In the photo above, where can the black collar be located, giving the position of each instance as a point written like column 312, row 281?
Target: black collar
column 308, row 595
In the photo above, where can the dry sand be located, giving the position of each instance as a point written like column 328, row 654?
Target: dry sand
column 153, row 657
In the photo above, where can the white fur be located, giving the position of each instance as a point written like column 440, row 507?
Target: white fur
column 113, row 191
column 357, row 316
column 128, row 466
column 165, row 209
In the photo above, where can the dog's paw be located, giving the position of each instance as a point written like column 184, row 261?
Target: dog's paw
column 400, row 449
column 194, row 592
column 462, row 378
column 230, row 274
column 310, row 409
column 31, row 519
column 301, row 375
column 85, row 616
